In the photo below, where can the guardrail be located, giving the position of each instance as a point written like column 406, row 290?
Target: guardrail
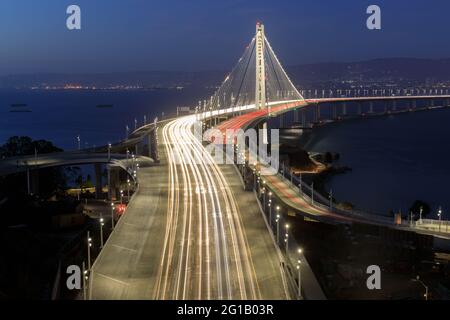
column 322, row 203
column 432, row 224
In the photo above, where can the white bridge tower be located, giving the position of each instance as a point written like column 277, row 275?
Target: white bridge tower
column 260, row 84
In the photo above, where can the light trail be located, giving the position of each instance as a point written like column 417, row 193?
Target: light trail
column 224, row 266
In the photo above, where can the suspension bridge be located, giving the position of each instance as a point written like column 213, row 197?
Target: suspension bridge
column 190, row 232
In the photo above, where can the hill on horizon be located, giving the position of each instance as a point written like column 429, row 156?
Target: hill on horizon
column 390, row 69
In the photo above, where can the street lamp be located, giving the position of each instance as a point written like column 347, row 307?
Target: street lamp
column 79, row 142
column 286, row 240
column 300, row 183
column 440, row 217
column 89, row 245
column 299, row 269
column 420, row 214
column 121, row 196
column 270, row 209
column 112, row 213
column 423, row 284
column 331, row 200
column 264, row 198
column 109, row 151
column 128, row 156
column 270, row 213
column 128, row 189
column 101, row 230
column 278, row 228
column 85, row 277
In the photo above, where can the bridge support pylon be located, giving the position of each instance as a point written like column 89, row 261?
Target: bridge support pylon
column 98, row 179
column 296, row 118
column 260, row 84
column 303, row 114
column 334, row 111
column 317, row 112
column 344, row 109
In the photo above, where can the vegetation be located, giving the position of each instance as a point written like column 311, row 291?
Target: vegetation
column 23, row 146
column 419, row 205
column 51, row 180
column 298, row 158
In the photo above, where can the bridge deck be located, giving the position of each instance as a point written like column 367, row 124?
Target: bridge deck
column 129, row 266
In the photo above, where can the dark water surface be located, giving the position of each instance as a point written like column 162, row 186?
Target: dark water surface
column 395, row 160
column 61, row 115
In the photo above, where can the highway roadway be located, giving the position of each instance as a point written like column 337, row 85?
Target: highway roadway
column 289, row 195
column 206, row 252
column 190, row 232
column 22, row 164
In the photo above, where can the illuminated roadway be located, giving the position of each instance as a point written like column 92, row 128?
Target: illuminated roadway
column 289, row 195
column 190, row 232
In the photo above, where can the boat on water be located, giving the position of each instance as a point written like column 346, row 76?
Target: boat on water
column 19, row 107
column 20, row 110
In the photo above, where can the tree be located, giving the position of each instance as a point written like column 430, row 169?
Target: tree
column 328, row 157
column 420, row 205
column 88, row 183
column 23, row 146
column 51, row 180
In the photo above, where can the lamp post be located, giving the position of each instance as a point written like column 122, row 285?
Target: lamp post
column 420, row 214
column 423, row 284
column 109, row 151
column 85, row 278
column 278, row 228
column 128, row 189
column 286, row 240
column 440, row 217
column 121, row 196
column 264, row 197
column 331, row 200
column 79, row 142
column 270, row 209
column 300, row 183
column 101, row 231
column 299, row 269
column 89, row 245
column 112, row 213
column 108, row 171
column 128, row 156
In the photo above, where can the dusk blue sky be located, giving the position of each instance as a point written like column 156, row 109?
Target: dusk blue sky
column 130, row 35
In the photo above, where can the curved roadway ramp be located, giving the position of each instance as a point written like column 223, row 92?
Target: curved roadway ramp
column 190, row 232
column 21, row 164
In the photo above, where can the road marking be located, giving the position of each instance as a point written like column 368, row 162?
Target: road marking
column 111, row 278
column 121, row 247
